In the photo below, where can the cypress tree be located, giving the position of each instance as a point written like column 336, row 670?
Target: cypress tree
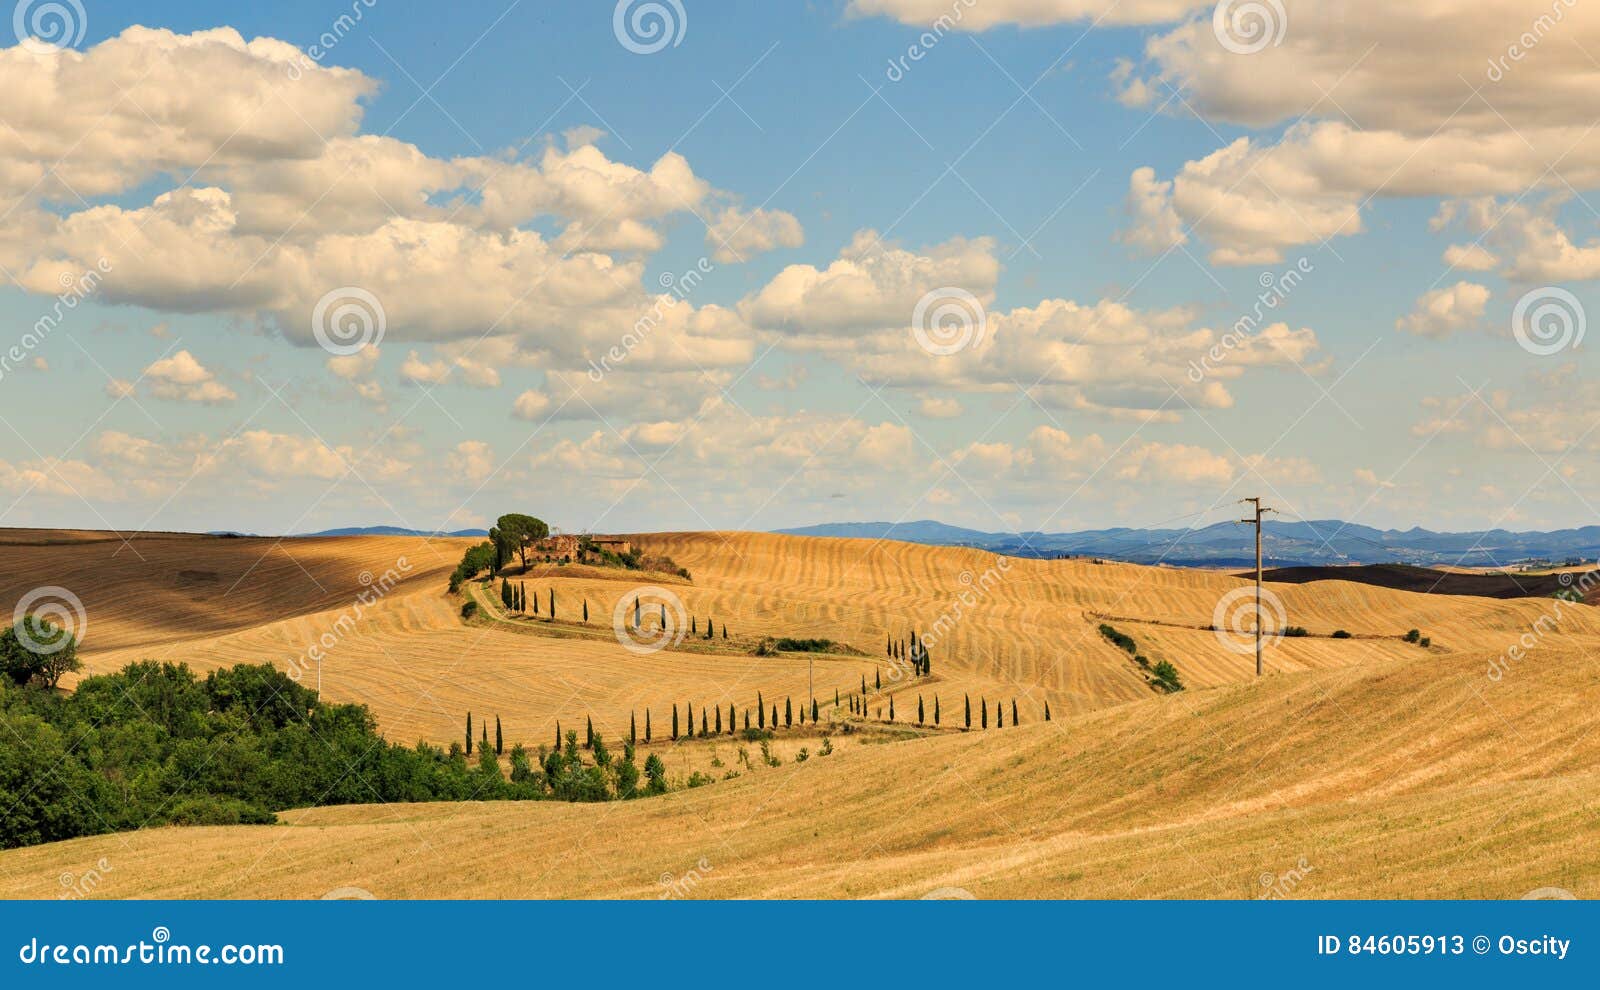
column 788, row 713
column 1047, row 711
column 694, row 626
column 999, row 715
column 813, row 711
column 689, row 710
column 674, row 721
column 552, row 603
column 633, row 729
column 484, row 747
column 724, row 630
column 469, row 733
column 505, row 593
column 558, row 735
column 732, row 719
column 889, row 648
column 1013, row 711
column 719, row 720
column 774, row 714
column 586, row 610
column 522, row 596
column 703, row 731
column 536, row 606
column 663, row 615
column 877, row 680
column 747, row 719
column 935, row 709
column 968, row 698
column 919, row 709
column 836, row 697
column 863, row 684
column 647, row 725
column 499, row 740
column 761, row 711
column 983, row 710
column 638, row 619
column 588, row 733
column 891, row 708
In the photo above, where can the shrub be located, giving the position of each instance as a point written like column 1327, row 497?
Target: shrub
column 1425, row 642
column 787, row 645
column 1413, row 636
column 1340, row 634
column 1167, row 676
column 1295, row 631
column 469, row 609
column 1120, row 639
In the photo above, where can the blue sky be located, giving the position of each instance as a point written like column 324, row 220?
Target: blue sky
column 484, row 156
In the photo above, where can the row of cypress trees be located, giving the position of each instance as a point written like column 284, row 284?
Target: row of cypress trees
column 515, row 599
column 483, row 744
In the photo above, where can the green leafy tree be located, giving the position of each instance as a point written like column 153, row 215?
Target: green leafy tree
column 517, row 532
column 656, row 773
column 36, row 648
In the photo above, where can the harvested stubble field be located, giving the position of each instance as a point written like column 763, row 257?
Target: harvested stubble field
column 1392, row 770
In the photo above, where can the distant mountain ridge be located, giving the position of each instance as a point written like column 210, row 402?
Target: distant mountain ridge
column 391, row 531
column 1327, row 542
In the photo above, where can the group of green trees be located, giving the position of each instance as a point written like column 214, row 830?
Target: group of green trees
column 514, row 598
column 916, row 652
column 1162, row 673
column 37, row 651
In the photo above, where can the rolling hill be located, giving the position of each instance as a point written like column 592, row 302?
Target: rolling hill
column 1388, row 768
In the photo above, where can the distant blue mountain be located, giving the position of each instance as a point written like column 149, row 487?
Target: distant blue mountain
column 1284, row 544
column 391, row 531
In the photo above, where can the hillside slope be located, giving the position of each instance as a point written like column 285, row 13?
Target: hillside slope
column 1392, row 780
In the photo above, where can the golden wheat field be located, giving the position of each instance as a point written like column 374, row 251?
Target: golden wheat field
column 1361, row 766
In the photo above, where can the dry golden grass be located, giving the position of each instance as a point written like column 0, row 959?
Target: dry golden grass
column 1393, row 780
column 1391, row 769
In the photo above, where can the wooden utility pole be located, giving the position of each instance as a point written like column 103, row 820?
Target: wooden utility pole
column 1256, row 519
